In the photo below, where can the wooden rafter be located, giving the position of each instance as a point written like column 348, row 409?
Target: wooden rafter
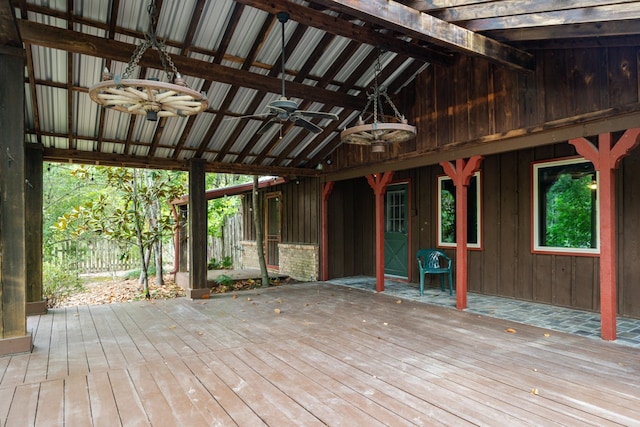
column 396, row 16
column 331, row 24
column 58, row 38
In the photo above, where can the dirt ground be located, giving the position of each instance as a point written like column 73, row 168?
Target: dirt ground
column 107, row 289
column 100, row 289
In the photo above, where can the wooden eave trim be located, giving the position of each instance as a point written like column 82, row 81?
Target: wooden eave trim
column 401, row 18
column 565, row 16
column 124, row 160
column 588, row 124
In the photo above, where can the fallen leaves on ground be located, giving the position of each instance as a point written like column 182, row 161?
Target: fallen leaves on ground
column 122, row 291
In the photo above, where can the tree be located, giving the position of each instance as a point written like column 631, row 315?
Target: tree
column 569, row 206
column 257, row 221
column 131, row 212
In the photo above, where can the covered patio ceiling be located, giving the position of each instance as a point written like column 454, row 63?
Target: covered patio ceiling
column 231, row 50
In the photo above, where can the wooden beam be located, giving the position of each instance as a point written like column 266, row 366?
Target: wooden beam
column 594, row 123
column 527, row 10
column 86, row 44
column 606, row 159
column 13, row 261
column 461, row 174
column 9, row 35
column 327, row 188
column 396, row 16
column 341, row 27
column 379, row 183
column 434, row 5
column 536, row 17
column 568, row 32
column 197, row 231
column 125, row 160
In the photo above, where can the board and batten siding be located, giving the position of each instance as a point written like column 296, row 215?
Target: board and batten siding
column 455, row 107
column 299, row 209
column 505, row 266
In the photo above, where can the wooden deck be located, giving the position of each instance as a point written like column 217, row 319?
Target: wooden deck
column 331, row 356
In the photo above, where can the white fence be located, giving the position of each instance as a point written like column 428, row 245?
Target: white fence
column 96, row 256
column 101, row 255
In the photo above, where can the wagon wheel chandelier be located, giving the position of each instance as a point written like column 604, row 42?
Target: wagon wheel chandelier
column 149, row 97
column 378, row 134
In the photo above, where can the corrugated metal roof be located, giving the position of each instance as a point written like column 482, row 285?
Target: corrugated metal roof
column 215, row 65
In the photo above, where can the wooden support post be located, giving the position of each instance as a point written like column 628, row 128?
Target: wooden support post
column 197, row 231
column 379, row 183
column 36, row 304
column 461, row 175
column 327, row 188
column 13, row 265
column 606, row 158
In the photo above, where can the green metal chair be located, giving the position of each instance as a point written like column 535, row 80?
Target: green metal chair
column 433, row 261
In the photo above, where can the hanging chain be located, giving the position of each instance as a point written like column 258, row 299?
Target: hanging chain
column 150, row 39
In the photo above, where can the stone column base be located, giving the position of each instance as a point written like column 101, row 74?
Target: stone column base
column 37, row 307
column 16, row 345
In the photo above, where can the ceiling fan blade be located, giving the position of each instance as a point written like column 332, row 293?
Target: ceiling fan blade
column 265, row 127
column 299, row 121
column 318, row 114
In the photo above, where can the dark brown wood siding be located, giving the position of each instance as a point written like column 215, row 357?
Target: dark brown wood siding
column 452, row 106
column 505, row 266
column 300, row 211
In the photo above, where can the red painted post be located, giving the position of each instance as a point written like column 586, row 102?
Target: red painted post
column 606, row 158
column 461, row 175
column 327, row 188
column 379, row 183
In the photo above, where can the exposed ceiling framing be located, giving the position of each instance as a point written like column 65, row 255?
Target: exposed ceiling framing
column 230, row 49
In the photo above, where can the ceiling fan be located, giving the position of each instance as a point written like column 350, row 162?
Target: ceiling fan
column 283, row 109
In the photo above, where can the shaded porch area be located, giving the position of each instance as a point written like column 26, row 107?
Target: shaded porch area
column 310, row 354
column 573, row 321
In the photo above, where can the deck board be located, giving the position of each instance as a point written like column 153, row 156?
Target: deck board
column 329, row 355
column 51, row 403
column 104, row 409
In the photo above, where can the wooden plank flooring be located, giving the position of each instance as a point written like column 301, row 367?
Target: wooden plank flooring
column 331, row 356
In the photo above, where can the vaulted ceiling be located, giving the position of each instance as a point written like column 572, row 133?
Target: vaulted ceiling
column 231, row 50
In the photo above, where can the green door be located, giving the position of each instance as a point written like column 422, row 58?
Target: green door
column 396, row 231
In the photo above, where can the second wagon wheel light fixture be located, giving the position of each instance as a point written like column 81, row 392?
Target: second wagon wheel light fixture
column 149, row 97
column 378, row 134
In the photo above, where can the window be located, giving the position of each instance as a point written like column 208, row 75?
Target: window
column 396, row 217
column 565, row 208
column 446, row 214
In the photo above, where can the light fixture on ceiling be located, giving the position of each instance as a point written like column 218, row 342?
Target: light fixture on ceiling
column 150, row 97
column 378, row 134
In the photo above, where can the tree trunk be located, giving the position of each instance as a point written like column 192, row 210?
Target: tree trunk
column 257, row 220
column 144, row 277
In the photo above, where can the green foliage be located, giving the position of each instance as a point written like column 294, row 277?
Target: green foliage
column 448, row 217
column 225, row 264
column 224, row 280
column 59, row 282
column 218, row 210
column 569, row 206
column 62, row 192
column 135, row 274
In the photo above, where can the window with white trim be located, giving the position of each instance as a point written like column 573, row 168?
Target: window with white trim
column 565, row 207
column 446, row 212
